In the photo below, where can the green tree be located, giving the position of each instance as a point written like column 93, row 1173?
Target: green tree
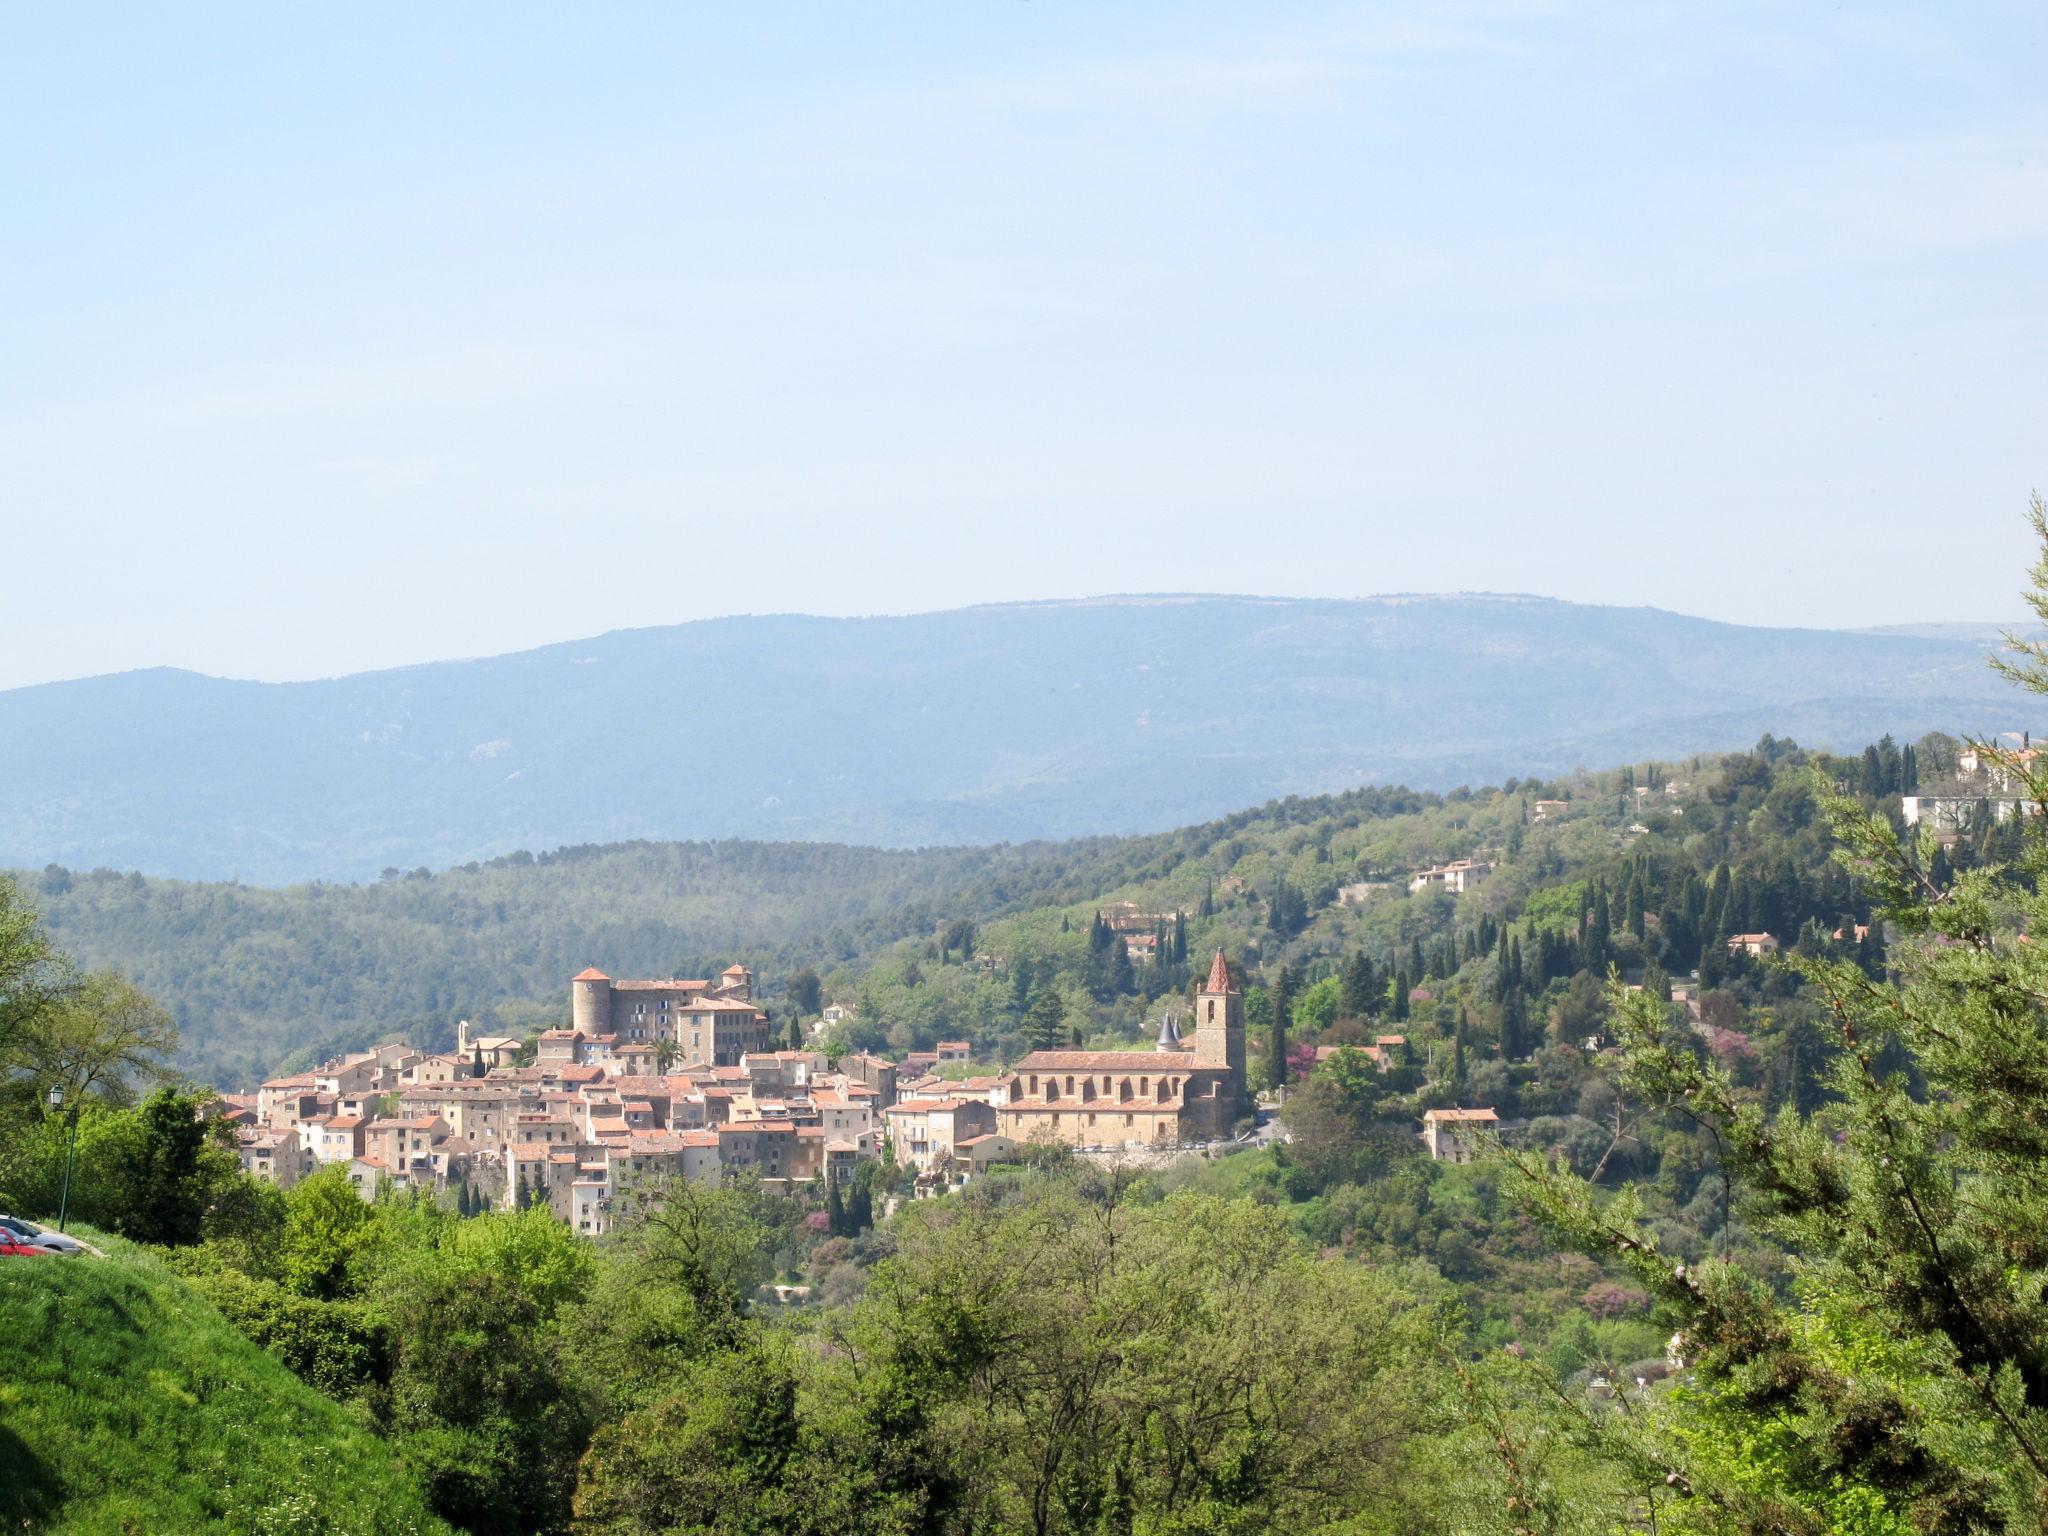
column 32, row 974
column 806, row 991
column 1900, row 1383
column 326, row 1223
column 1044, row 1020
column 100, row 1035
column 168, row 1175
column 1276, row 1031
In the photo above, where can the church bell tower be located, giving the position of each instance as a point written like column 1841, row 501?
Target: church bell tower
column 1219, row 1023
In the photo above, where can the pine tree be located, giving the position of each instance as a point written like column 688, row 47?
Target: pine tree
column 1044, row 1021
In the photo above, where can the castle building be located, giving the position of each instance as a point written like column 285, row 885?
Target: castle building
column 1183, row 1090
column 713, row 1023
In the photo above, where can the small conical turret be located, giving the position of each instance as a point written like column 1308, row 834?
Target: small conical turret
column 1169, row 1033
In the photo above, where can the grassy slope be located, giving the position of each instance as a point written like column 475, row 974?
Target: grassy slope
column 127, row 1404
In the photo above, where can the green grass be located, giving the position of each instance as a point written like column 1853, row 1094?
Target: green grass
column 127, row 1404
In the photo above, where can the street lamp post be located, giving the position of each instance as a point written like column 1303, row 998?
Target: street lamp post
column 70, row 1146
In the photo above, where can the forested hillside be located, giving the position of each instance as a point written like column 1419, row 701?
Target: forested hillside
column 259, row 978
column 983, row 725
column 255, row 976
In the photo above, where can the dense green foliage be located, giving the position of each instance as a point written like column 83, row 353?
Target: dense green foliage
column 1054, row 1351
column 1895, row 1378
column 127, row 1403
column 258, row 978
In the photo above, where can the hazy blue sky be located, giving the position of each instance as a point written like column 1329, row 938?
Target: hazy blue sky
column 338, row 337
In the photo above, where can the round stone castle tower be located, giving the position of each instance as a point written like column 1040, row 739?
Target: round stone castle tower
column 590, row 1002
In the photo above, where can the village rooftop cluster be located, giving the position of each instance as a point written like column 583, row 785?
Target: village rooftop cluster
column 677, row 1079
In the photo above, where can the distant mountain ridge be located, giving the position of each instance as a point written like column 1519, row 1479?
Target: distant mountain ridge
column 974, row 725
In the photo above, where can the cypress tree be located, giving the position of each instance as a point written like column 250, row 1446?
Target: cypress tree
column 835, row 1209
column 1354, row 998
column 1514, row 1016
column 1276, row 1039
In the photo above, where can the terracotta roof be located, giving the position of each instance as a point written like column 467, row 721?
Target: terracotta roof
column 1106, row 1061
column 734, row 970
column 1479, row 1115
column 641, row 1084
column 590, row 973
column 1219, row 975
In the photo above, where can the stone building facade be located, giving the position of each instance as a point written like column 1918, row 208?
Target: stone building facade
column 1182, row 1091
column 713, row 1023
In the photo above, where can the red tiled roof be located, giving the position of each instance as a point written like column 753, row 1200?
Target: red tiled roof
column 1219, row 975
column 590, row 973
column 1107, row 1061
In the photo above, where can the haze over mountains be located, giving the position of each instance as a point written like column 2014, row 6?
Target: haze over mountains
column 976, row 725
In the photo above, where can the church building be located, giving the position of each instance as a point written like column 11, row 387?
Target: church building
column 1180, row 1091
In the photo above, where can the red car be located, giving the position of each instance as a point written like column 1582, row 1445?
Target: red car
column 23, row 1251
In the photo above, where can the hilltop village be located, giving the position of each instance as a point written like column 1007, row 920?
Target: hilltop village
column 677, row 1079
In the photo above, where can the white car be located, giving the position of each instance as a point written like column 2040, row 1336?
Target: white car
column 29, row 1235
